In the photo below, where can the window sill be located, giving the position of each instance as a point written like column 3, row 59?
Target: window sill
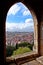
column 22, row 57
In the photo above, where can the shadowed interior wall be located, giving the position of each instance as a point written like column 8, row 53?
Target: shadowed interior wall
column 37, row 6
column 41, row 34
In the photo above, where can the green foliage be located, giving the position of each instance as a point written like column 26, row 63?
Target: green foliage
column 26, row 44
column 23, row 44
column 30, row 46
column 9, row 50
column 17, row 46
column 21, row 50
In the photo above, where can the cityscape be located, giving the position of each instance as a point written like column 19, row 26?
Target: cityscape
column 13, row 38
column 19, row 30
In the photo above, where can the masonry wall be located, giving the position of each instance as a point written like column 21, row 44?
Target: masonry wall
column 37, row 6
column 41, row 35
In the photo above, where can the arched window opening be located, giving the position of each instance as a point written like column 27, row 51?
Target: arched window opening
column 20, row 31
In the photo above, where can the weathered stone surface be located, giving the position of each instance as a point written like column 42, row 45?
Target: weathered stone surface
column 40, row 59
column 34, row 62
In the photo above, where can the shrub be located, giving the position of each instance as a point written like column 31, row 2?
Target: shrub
column 9, row 50
column 21, row 50
column 23, row 44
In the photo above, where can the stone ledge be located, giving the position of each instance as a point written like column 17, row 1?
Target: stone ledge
column 40, row 59
column 21, row 56
column 34, row 62
column 19, row 59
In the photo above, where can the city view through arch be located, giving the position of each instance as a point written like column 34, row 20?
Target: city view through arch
column 19, row 30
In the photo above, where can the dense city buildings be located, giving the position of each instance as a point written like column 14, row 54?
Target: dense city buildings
column 13, row 38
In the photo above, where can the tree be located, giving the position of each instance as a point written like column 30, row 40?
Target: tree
column 16, row 45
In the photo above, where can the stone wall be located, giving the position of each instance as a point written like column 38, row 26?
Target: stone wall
column 41, row 38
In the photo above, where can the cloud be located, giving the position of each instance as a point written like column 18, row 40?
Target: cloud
column 20, row 26
column 14, row 9
column 19, row 6
column 30, row 20
column 26, row 12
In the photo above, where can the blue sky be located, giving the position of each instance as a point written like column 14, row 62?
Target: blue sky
column 19, row 19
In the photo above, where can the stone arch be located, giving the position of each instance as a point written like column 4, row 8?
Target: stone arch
column 36, row 6
column 35, row 48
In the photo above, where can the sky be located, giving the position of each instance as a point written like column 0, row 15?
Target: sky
column 19, row 19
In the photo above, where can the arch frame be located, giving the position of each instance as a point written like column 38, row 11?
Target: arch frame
column 35, row 48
